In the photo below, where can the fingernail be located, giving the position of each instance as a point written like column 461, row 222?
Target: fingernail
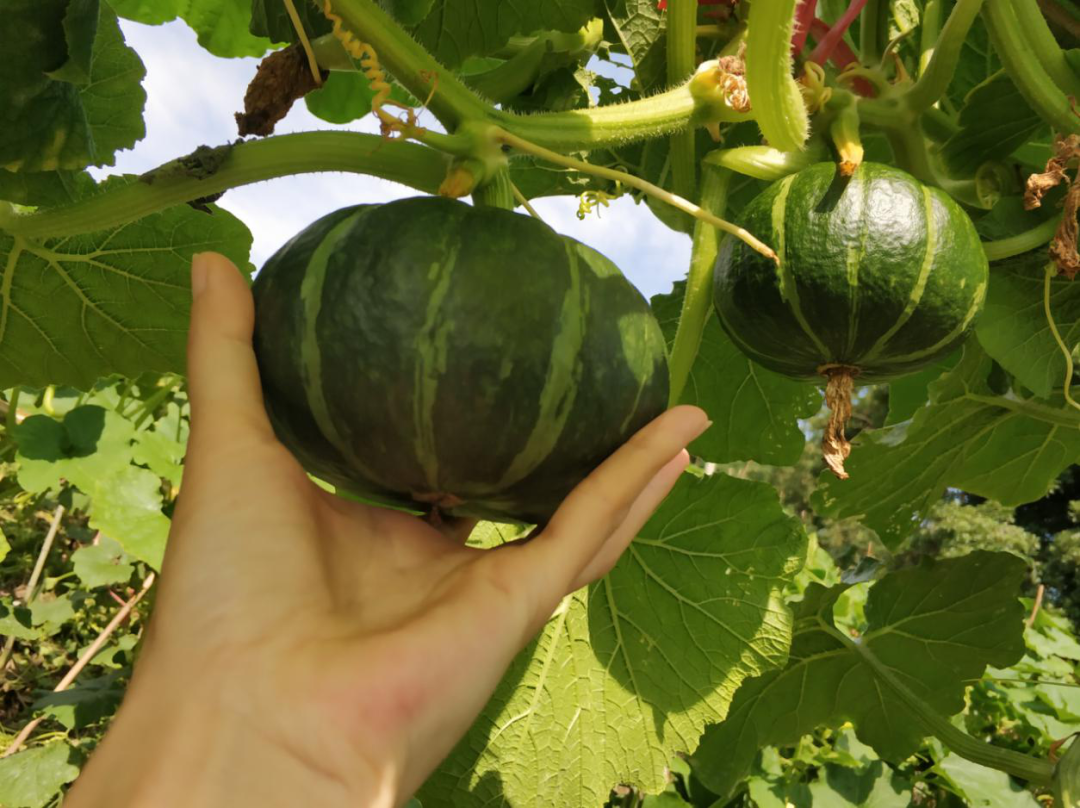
column 200, row 273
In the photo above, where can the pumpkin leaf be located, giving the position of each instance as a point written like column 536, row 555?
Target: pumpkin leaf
column 454, row 30
column 1003, row 447
column 694, row 606
column 1014, row 330
column 980, row 785
column 986, row 134
column 916, row 629
column 31, row 778
column 70, row 91
column 112, row 301
column 642, row 27
column 102, row 564
column 755, row 412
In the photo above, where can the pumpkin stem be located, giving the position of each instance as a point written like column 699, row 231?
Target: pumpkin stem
column 835, row 446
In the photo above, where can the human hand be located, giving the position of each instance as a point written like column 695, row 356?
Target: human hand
column 308, row 650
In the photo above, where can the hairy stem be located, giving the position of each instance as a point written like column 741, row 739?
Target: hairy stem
column 697, row 303
column 1042, row 43
column 452, row 102
column 1024, row 68
column 762, row 162
column 253, row 161
column 935, row 78
column 498, row 192
column 681, row 61
column 929, row 31
column 870, row 25
column 1037, row 236
column 618, row 124
column 777, row 101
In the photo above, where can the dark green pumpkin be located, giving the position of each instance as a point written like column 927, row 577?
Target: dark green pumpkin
column 878, row 273
column 471, row 359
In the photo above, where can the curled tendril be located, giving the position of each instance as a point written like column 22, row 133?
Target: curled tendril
column 593, row 200
column 405, row 126
column 815, row 92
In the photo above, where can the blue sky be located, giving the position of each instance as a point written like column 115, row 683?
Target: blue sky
column 192, row 98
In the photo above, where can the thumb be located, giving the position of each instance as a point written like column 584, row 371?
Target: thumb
column 223, row 377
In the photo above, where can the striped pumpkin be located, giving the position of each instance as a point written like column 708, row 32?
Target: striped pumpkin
column 469, row 360
column 880, row 273
column 878, row 276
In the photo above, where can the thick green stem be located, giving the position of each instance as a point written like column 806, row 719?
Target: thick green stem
column 681, row 61
column 871, row 23
column 776, row 98
column 938, row 125
column 1021, row 242
column 929, row 30
column 934, row 80
column 253, row 161
column 1024, row 68
column 1032, row 25
column 1033, row 769
column 453, row 103
column 697, row 303
column 498, row 192
column 763, row 162
column 416, row 69
column 618, row 124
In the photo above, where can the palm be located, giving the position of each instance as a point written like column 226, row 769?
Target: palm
column 356, row 638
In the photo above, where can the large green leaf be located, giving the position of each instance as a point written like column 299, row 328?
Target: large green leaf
column 31, row 778
column 981, row 786
column 77, row 308
column 344, row 96
column 149, row 12
column 15, row 621
column 641, row 28
column 755, row 412
column 47, row 188
column 629, row 670
column 92, row 450
column 909, row 393
column 102, row 564
column 222, row 25
column 454, row 30
column 65, row 106
column 1014, row 330
column 933, row 628
column 986, row 134
column 876, row 786
column 999, row 446
column 977, row 63
column 270, row 19
column 86, row 703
